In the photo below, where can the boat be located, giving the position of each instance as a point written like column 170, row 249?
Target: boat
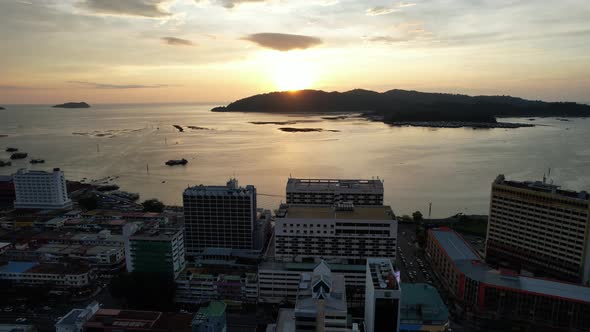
column 19, row 155
column 5, row 163
column 173, row 162
column 37, row 161
column 11, row 149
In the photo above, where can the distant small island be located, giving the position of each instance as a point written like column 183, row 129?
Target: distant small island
column 403, row 107
column 73, row 105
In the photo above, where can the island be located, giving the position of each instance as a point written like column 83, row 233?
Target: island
column 406, row 108
column 72, row 105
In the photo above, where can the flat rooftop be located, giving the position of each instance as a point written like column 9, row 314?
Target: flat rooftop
column 422, row 302
column 124, row 319
column 16, row 267
column 455, row 247
column 162, row 234
column 328, row 212
column 542, row 187
column 382, row 274
column 334, row 185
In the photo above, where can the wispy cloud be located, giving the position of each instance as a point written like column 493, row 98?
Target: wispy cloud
column 283, row 41
column 384, row 10
column 93, row 85
column 177, row 41
column 142, row 8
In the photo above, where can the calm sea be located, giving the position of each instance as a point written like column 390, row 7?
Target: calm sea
column 452, row 168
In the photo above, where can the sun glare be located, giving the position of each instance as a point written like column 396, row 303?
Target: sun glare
column 290, row 72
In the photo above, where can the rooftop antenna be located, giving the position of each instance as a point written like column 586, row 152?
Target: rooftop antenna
column 544, row 178
column 429, row 210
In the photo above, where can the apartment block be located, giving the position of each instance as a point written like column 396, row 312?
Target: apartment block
column 332, row 191
column 539, row 228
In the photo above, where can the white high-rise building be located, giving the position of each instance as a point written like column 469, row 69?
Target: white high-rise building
column 343, row 231
column 332, row 191
column 41, row 190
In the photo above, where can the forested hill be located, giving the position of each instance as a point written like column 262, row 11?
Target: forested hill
column 404, row 105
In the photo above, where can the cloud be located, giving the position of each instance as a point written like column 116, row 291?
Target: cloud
column 283, row 41
column 231, row 3
column 380, row 10
column 177, row 41
column 383, row 10
column 387, row 39
column 93, row 85
column 143, row 8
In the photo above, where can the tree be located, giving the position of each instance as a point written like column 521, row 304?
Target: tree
column 145, row 291
column 153, row 205
column 417, row 216
column 406, row 219
column 88, row 201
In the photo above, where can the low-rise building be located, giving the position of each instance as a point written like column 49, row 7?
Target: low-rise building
column 210, row 318
column 42, row 275
column 503, row 296
column 74, row 320
column 422, row 309
column 113, row 320
column 195, row 286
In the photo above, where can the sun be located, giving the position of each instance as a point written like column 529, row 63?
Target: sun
column 293, row 76
column 291, row 72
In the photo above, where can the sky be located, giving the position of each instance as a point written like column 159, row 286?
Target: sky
column 159, row 51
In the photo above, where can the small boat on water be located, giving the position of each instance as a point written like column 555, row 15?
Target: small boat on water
column 174, row 162
column 11, row 149
column 5, row 163
column 37, row 161
column 19, row 155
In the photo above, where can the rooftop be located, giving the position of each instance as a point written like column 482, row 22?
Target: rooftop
column 161, row 234
column 327, row 212
column 383, row 274
column 16, row 267
column 455, row 247
column 214, row 309
column 333, row 185
column 310, row 266
column 422, row 302
column 542, row 187
column 231, row 188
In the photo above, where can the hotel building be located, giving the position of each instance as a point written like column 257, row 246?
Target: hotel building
column 342, row 231
column 219, row 217
column 332, row 191
column 41, row 190
column 539, row 228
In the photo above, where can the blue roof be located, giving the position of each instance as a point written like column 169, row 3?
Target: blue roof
column 17, row 267
column 454, row 245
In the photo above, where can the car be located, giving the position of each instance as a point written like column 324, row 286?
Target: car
column 46, row 308
column 21, row 320
column 8, row 309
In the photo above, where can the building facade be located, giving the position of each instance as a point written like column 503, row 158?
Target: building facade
column 503, row 299
column 159, row 250
column 211, row 318
column 382, row 296
column 219, row 217
column 74, row 320
column 41, row 190
column 422, row 309
column 332, row 191
column 539, row 228
column 343, row 231
column 64, row 276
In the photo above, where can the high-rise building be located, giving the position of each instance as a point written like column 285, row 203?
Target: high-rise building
column 382, row 296
column 156, row 251
column 41, row 190
column 539, row 228
column 342, row 231
column 219, row 217
column 332, row 191
column 7, row 195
